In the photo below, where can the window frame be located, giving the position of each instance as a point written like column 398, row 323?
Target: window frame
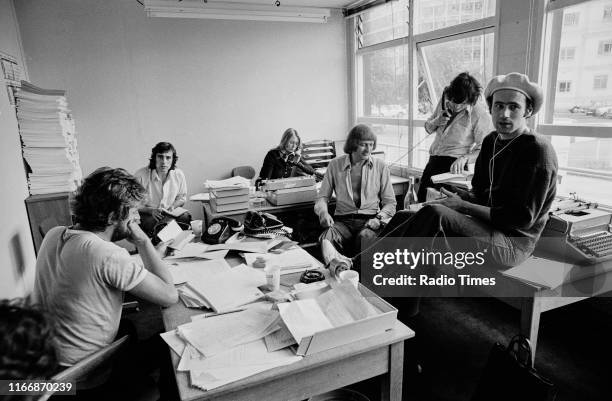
column 414, row 42
column 545, row 125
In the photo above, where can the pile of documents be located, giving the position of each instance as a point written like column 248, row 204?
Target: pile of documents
column 49, row 143
column 458, row 180
column 225, row 348
column 228, row 195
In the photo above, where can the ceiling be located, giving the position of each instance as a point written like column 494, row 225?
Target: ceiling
column 298, row 3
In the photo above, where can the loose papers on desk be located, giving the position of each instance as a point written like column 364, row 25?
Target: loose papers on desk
column 228, row 290
column 290, row 261
column 336, row 307
column 216, row 335
column 227, row 348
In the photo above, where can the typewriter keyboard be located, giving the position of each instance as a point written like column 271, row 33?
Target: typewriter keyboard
column 598, row 244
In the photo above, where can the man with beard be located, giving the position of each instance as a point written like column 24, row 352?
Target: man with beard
column 364, row 198
column 81, row 275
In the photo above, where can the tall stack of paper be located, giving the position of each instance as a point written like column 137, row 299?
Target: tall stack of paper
column 228, row 195
column 49, row 141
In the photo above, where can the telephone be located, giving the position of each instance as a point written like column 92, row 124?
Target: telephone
column 220, row 229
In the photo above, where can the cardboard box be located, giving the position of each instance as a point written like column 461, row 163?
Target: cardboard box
column 359, row 330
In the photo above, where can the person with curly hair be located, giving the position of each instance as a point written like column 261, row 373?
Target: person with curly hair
column 459, row 122
column 81, row 275
column 26, row 342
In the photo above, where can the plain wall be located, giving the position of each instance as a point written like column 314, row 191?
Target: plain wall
column 221, row 91
column 16, row 248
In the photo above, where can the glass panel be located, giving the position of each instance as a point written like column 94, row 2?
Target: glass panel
column 383, row 23
column 392, row 139
column 436, row 14
column 422, row 143
column 586, row 167
column 441, row 62
column 583, row 94
column 384, row 83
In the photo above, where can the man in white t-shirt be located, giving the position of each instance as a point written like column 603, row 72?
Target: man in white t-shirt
column 165, row 187
column 81, row 275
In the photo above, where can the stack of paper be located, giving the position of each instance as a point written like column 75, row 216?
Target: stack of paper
column 228, row 195
column 49, row 143
column 226, row 348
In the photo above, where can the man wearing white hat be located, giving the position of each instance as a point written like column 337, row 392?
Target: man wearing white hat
column 513, row 186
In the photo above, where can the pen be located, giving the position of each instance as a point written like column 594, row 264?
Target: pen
column 225, row 313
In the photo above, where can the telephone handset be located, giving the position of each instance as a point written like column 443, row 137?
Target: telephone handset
column 220, row 229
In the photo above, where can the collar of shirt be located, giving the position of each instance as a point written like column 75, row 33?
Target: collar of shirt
column 156, row 177
column 347, row 162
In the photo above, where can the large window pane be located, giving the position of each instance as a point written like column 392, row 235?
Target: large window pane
column 436, row 14
column 439, row 63
column 392, row 140
column 383, row 23
column 586, row 167
column 579, row 55
column 384, row 83
column 420, row 147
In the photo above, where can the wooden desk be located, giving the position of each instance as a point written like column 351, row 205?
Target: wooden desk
column 545, row 299
column 379, row 355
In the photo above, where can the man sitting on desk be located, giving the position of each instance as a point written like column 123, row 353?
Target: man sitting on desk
column 513, row 186
column 361, row 184
column 81, row 275
column 165, row 187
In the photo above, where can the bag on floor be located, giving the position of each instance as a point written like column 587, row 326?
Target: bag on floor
column 509, row 375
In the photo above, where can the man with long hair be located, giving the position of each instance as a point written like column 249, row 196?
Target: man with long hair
column 165, row 188
column 459, row 122
column 364, row 198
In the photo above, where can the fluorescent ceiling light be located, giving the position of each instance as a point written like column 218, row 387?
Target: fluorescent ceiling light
column 233, row 11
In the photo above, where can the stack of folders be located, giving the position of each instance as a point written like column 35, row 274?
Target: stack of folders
column 49, row 141
column 228, row 199
column 229, row 194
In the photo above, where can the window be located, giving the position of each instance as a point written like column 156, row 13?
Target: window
column 567, row 53
column 577, row 114
column 600, row 82
column 383, row 23
column 449, row 13
column 607, row 13
column 605, row 47
column 565, row 86
column 570, row 19
column 385, row 97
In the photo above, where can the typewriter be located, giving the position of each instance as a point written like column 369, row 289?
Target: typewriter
column 577, row 232
column 288, row 191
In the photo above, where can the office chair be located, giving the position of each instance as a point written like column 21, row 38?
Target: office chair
column 95, row 369
column 243, row 171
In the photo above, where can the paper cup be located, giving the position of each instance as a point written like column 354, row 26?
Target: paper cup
column 196, row 226
column 273, row 277
column 349, row 275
